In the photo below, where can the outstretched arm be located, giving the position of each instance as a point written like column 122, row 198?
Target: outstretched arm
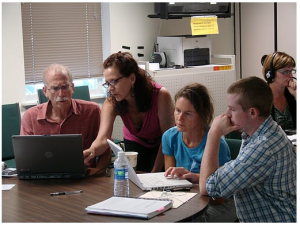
column 100, row 145
column 166, row 121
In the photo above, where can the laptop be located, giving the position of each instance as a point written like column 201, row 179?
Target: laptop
column 151, row 181
column 49, row 156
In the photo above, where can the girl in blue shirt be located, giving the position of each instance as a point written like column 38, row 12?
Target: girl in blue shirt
column 183, row 145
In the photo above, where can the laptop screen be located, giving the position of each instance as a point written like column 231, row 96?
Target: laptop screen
column 49, row 156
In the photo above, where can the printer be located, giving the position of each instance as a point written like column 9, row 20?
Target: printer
column 186, row 50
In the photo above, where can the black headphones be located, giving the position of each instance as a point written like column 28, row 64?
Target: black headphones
column 270, row 75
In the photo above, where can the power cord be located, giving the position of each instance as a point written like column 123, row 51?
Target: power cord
column 154, row 49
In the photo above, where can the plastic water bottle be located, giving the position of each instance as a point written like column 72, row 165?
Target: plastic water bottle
column 121, row 182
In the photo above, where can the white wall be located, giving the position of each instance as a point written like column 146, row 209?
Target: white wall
column 13, row 79
column 223, row 43
column 257, row 28
column 257, row 36
column 287, row 28
column 130, row 26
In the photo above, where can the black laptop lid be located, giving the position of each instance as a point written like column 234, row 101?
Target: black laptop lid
column 49, row 156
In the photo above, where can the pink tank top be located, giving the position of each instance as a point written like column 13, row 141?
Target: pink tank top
column 150, row 134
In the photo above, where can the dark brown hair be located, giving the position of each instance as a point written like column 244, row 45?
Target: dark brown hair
column 143, row 87
column 200, row 98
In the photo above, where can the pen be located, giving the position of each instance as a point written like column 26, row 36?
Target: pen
column 65, row 193
column 179, row 189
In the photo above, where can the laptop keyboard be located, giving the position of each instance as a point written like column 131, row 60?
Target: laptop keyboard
column 150, row 180
column 154, row 180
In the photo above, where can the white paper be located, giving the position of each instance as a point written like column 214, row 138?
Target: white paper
column 7, row 187
column 178, row 197
column 293, row 138
column 154, row 66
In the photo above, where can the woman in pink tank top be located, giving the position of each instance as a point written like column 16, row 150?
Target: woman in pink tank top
column 145, row 107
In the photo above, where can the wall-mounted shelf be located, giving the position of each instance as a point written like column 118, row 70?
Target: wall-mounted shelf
column 179, row 10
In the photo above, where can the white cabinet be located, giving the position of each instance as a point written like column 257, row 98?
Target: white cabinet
column 217, row 78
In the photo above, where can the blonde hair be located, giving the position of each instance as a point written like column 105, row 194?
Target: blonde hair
column 280, row 60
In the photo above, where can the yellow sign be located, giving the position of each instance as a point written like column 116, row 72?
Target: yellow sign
column 203, row 25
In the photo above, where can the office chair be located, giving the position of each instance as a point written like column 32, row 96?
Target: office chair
column 11, row 123
column 234, row 146
column 80, row 92
column 234, row 135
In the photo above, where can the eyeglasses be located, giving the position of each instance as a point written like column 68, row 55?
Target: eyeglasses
column 111, row 83
column 286, row 72
column 55, row 89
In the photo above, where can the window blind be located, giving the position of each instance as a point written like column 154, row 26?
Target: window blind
column 64, row 33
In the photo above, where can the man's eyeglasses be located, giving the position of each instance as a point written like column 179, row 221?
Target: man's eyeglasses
column 287, row 72
column 111, row 83
column 55, row 89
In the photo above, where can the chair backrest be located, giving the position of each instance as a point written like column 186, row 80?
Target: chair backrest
column 11, row 123
column 234, row 146
column 42, row 98
column 234, row 135
column 80, row 92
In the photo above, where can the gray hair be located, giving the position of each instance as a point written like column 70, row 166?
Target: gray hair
column 57, row 68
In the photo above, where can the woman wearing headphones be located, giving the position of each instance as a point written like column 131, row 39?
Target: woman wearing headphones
column 278, row 70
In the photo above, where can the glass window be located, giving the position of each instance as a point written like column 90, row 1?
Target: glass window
column 95, row 88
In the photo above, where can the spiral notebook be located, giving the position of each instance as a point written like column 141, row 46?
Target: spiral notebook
column 151, row 181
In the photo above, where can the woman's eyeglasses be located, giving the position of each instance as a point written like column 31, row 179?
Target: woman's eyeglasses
column 287, row 72
column 112, row 83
